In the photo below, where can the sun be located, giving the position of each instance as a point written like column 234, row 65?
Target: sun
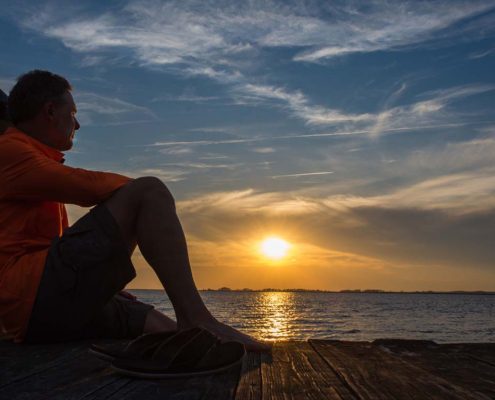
column 274, row 248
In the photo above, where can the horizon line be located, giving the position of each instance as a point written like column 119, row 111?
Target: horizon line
column 364, row 291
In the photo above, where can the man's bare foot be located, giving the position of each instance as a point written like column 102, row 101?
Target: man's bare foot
column 227, row 333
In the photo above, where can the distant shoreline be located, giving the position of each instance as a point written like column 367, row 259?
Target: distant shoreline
column 345, row 291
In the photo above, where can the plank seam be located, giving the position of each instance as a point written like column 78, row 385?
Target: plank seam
column 441, row 381
column 234, row 392
column 261, row 374
column 481, row 360
column 121, row 388
column 447, row 384
column 104, row 386
column 240, row 377
column 45, row 367
column 337, row 373
column 261, row 377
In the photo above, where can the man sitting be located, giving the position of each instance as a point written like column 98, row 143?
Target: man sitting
column 63, row 283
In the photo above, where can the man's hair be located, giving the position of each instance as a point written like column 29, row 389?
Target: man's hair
column 3, row 106
column 32, row 91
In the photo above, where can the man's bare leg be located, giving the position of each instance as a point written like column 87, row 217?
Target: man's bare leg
column 157, row 322
column 145, row 211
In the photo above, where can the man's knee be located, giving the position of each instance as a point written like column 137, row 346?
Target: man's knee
column 148, row 188
column 138, row 191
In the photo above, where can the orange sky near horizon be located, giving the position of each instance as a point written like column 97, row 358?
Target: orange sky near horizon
column 234, row 260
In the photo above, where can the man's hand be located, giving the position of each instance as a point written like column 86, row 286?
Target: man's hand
column 127, row 295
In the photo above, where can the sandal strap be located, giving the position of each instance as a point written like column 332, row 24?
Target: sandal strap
column 144, row 345
column 189, row 355
column 169, row 349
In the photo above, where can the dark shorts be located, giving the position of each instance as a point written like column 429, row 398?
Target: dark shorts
column 78, row 294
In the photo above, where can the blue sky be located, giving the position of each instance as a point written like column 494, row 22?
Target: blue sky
column 362, row 132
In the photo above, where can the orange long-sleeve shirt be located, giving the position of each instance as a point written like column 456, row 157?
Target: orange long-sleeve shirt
column 34, row 185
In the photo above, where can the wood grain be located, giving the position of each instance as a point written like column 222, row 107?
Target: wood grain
column 296, row 371
column 374, row 373
column 383, row 369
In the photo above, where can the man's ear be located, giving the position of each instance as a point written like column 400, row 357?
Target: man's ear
column 49, row 109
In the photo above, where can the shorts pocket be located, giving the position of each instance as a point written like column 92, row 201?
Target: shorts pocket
column 60, row 276
column 80, row 248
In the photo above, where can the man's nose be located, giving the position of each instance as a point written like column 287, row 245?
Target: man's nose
column 77, row 125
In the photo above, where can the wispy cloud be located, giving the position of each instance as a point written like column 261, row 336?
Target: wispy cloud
column 391, row 26
column 462, row 192
column 165, row 174
column 96, row 109
column 302, row 174
column 454, row 178
column 209, row 38
column 264, row 150
column 218, row 40
column 418, row 114
column 392, row 228
column 454, row 193
column 210, row 156
column 177, row 147
column 300, row 105
column 481, row 54
column 204, row 166
column 176, row 150
column 186, row 98
column 447, row 95
column 202, row 142
column 248, row 201
column 431, row 111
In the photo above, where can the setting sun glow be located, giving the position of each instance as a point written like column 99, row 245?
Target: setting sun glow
column 274, row 248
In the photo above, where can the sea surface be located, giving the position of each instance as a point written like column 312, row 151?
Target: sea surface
column 444, row 318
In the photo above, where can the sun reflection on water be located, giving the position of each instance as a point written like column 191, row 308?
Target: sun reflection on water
column 348, row 316
column 276, row 313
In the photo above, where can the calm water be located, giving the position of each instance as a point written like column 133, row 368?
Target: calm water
column 349, row 316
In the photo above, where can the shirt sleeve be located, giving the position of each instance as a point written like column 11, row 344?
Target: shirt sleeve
column 26, row 174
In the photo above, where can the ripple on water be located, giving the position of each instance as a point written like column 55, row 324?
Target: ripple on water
column 353, row 316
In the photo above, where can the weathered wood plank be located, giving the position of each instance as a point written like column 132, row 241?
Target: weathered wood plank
column 249, row 386
column 71, row 378
column 296, row 371
column 385, row 369
column 219, row 386
column 21, row 361
column 68, row 371
column 481, row 351
column 223, row 385
column 105, row 391
column 377, row 374
column 454, row 363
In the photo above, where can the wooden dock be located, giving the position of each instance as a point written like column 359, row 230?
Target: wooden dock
column 383, row 369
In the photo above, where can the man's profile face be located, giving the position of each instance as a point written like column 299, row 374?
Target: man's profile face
column 65, row 123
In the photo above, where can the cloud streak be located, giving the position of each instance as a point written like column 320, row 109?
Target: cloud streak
column 209, row 38
column 391, row 26
column 96, row 109
column 431, row 111
column 185, row 147
column 302, row 174
column 300, row 105
column 413, row 224
column 218, row 40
